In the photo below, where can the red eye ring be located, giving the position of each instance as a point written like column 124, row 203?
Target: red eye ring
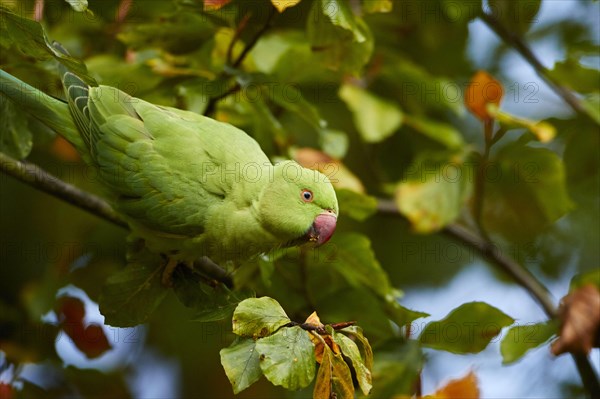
column 306, row 195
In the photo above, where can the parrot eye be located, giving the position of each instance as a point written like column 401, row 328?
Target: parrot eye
column 306, row 195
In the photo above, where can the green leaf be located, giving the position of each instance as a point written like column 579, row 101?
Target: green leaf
column 258, row 317
column 342, row 40
column 520, row 339
column 287, row 358
column 212, row 303
column 416, row 89
column 178, row 33
column 467, row 329
column 375, row 119
column 287, row 57
column 434, row 190
column 291, row 99
column 30, row 39
column 576, row 76
column 130, row 296
column 401, row 315
column 396, row 370
column 334, row 379
column 375, row 6
column 241, row 364
column 15, row 137
column 351, row 255
column 350, row 350
column 357, row 335
column 357, row 206
column 349, row 260
column 334, row 143
column 591, row 103
column 525, row 191
column 440, row 132
column 340, row 14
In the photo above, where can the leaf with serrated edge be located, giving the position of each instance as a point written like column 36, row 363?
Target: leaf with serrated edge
column 130, row 296
column 467, row 329
column 350, row 350
column 287, row 358
column 240, row 361
column 258, row 317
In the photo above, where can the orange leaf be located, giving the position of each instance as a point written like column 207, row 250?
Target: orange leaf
column 462, row 388
column 580, row 315
column 314, row 320
column 481, row 91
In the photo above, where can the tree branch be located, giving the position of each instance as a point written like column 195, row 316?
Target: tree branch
column 522, row 276
column 39, row 179
column 492, row 254
column 517, row 42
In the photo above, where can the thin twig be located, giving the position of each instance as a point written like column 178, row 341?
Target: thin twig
column 492, row 254
column 249, row 46
column 39, row 179
column 236, row 35
column 255, row 38
column 517, row 42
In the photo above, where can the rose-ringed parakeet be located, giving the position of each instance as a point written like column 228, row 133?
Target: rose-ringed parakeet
column 187, row 185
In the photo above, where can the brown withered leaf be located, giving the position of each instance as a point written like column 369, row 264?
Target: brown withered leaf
column 481, row 91
column 314, row 321
column 579, row 313
column 91, row 339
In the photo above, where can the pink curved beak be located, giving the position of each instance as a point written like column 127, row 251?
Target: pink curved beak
column 323, row 227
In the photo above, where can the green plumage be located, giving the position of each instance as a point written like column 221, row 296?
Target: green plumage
column 186, row 184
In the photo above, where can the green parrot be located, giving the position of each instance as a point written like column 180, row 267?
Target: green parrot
column 187, row 185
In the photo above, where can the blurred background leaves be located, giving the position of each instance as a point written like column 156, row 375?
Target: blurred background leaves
column 371, row 91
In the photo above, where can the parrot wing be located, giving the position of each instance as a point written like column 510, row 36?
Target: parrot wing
column 166, row 168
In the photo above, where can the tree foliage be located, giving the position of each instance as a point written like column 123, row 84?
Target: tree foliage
column 380, row 96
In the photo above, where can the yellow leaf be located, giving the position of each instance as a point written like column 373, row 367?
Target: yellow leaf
column 481, row 91
column 281, row 5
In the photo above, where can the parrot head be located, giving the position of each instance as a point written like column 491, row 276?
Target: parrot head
column 298, row 205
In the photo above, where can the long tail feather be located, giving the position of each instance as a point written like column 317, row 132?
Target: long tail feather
column 77, row 94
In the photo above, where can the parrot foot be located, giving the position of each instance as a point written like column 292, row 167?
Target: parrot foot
column 167, row 275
